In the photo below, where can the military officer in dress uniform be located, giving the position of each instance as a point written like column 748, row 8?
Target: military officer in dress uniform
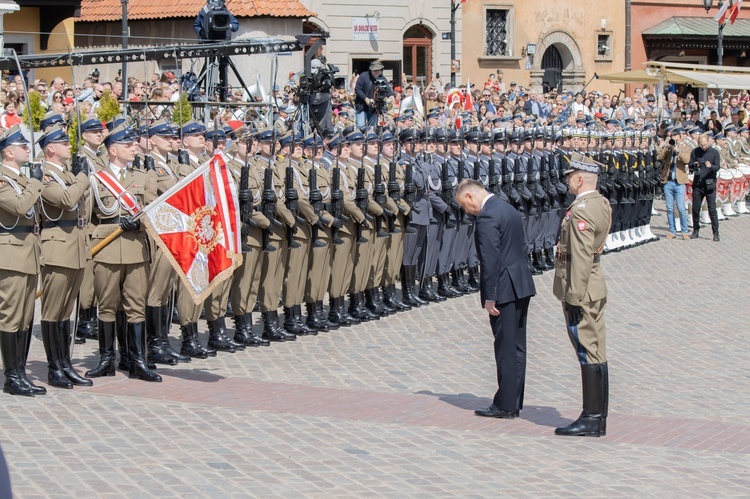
column 121, row 268
column 19, row 265
column 579, row 285
column 92, row 134
column 65, row 252
column 432, row 165
column 162, row 277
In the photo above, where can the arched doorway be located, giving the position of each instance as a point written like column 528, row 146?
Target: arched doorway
column 561, row 62
column 552, row 64
column 418, row 55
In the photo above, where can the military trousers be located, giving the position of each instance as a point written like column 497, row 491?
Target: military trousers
column 60, row 288
column 272, row 272
column 245, row 282
column 296, row 267
column 413, row 245
column 88, row 297
column 342, row 263
column 187, row 309
column 394, row 252
column 379, row 253
column 362, row 261
column 162, row 279
column 589, row 336
column 121, row 287
column 17, row 297
column 319, row 272
column 216, row 303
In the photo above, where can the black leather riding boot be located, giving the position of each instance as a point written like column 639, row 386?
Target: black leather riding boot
column 154, row 342
column 9, row 351
column 164, row 333
column 593, row 420
column 65, row 339
column 190, row 345
column 23, row 342
column 137, row 351
column 106, row 365
column 51, row 340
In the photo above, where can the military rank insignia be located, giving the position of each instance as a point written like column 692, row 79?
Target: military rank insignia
column 46, row 179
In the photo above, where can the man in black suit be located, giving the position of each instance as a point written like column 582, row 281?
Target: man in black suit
column 506, row 288
column 705, row 162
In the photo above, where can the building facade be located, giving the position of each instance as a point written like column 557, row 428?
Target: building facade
column 411, row 37
column 541, row 44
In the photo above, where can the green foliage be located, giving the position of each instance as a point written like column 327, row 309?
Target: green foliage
column 37, row 111
column 108, row 107
column 73, row 133
column 182, row 111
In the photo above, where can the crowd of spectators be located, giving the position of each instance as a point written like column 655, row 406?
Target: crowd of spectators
column 492, row 99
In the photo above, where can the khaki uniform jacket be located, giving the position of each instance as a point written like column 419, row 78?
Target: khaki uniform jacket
column 165, row 172
column 19, row 252
column 324, row 186
column 728, row 155
column 132, row 246
column 254, row 234
column 302, row 184
column 349, row 186
column 64, row 246
column 682, row 150
column 259, row 165
column 579, row 278
column 97, row 160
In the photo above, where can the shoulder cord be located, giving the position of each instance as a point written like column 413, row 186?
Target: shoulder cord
column 41, row 200
column 18, row 190
column 107, row 211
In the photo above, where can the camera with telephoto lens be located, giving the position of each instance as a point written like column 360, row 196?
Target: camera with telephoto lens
column 672, row 143
column 381, row 92
column 695, row 166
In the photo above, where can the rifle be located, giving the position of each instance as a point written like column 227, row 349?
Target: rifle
column 316, row 200
column 268, row 207
column 447, row 194
column 460, row 177
column 360, row 198
column 493, row 179
column 292, row 200
column 380, row 198
column 337, row 200
column 246, row 203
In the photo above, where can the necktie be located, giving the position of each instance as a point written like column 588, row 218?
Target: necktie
column 122, row 175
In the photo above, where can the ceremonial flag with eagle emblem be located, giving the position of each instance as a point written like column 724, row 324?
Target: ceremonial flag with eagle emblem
column 197, row 225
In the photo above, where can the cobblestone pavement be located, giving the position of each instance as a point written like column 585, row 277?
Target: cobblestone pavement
column 385, row 409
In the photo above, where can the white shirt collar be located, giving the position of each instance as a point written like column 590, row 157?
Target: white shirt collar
column 57, row 167
column 13, row 169
column 484, row 201
column 584, row 193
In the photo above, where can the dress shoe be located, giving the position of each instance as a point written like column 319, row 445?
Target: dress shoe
column 694, row 235
column 494, row 411
column 584, row 426
column 716, row 238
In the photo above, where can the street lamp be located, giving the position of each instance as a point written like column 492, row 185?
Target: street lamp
column 707, row 4
column 454, row 8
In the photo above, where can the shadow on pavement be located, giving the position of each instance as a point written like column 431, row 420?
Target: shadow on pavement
column 190, row 374
column 537, row 414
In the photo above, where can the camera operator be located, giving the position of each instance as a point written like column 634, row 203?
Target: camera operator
column 215, row 22
column 371, row 91
column 674, row 154
column 320, row 96
column 705, row 162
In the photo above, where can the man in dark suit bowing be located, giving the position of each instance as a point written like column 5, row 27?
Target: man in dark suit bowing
column 506, row 288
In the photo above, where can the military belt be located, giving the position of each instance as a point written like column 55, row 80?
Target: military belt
column 112, row 221
column 79, row 222
column 564, row 257
column 20, row 229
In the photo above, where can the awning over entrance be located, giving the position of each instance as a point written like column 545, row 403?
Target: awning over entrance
column 681, row 74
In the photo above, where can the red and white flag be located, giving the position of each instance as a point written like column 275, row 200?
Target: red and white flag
column 197, row 225
column 728, row 11
column 468, row 100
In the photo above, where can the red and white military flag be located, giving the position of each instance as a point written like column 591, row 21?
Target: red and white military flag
column 197, row 225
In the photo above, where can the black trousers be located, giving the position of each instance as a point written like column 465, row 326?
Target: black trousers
column 509, row 329
column 708, row 192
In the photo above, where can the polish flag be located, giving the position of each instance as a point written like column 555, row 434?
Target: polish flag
column 468, row 100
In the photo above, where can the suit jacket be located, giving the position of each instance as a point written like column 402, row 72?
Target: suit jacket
column 505, row 274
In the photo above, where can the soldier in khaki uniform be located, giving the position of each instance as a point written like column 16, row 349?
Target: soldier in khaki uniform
column 342, row 261
column 272, row 272
column 296, row 268
column 19, row 265
column 92, row 134
column 371, row 161
column 579, row 285
column 121, row 268
column 395, row 250
column 162, row 277
column 65, row 252
column 319, row 272
column 193, row 143
column 215, row 305
column 246, row 279
column 363, row 249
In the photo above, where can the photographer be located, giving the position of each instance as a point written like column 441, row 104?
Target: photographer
column 674, row 154
column 215, row 22
column 320, row 96
column 367, row 102
column 705, row 162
